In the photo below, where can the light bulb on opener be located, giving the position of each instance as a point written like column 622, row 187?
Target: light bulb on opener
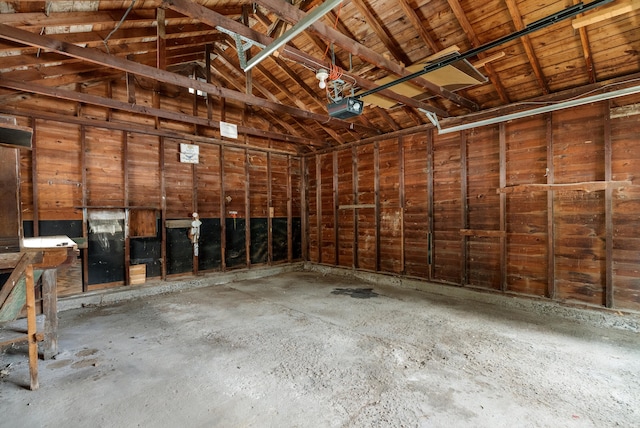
column 322, row 75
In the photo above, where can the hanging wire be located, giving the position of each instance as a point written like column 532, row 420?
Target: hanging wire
column 106, row 39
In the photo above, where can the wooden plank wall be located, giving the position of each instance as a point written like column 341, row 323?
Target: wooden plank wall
column 526, row 213
column 133, row 163
column 490, row 207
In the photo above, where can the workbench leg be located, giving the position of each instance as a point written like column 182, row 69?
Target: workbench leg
column 32, row 327
column 50, row 311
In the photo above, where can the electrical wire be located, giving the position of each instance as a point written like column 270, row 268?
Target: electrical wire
column 106, row 39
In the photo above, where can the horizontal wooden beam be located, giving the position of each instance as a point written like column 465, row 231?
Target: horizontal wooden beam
column 142, row 109
column 586, row 186
column 97, row 57
column 141, row 129
column 178, row 224
column 624, row 111
column 607, row 12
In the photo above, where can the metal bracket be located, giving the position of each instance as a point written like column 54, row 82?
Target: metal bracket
column 241, row 47
column 432, row 118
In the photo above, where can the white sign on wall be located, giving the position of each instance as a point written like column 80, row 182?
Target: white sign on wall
column 189, row 153
column 228, row 130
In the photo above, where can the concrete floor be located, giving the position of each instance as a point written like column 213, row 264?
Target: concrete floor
column 302, row 349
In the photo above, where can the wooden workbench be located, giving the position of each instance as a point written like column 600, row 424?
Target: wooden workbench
column 40, row 258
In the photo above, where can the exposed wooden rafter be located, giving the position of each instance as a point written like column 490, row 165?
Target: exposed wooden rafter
column 473, row 38
column 214, row 19
column 293, row 14
column 528, row 46
column 141, row 109
column 373, row 22
column 95, row 56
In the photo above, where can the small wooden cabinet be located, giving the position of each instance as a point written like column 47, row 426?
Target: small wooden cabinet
column 10, row 218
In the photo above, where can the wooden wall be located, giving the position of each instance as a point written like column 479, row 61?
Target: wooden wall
column 100, row 163
column 542, row 206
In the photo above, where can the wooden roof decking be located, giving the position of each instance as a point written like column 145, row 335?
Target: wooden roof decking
column 370, row 39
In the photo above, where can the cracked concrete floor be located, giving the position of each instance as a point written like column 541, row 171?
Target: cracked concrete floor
column 306, row 350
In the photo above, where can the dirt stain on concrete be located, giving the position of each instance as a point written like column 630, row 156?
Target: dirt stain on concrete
column 356, row 293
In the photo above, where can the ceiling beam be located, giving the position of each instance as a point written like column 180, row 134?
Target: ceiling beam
column 141, row 129
column 418, row 26
column 528, row 46
column 620, row 7
column 373, row 22
column 303, row 85
column 238, row 81
column 292, row 14
column 98, row 57
column 317, row 41
column 214, row 19
column 473, row 38
column 95, row 100
column 105, row 18
column 586, row 51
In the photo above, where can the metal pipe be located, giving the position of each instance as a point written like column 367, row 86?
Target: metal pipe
column 302, row 25
column 540, row 110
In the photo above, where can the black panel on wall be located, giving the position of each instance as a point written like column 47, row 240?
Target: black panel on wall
column 296, row 229
column 179, row 251
column 259, row 240
column 210, row 256
column 71, row 228
column 236, row 246
column 147, row 251
column 106, row 256
column 279, row 238
column 27, row 229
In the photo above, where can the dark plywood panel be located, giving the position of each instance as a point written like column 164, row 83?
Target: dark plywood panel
column 296, row 230
column 210, row 256
column 148, row 251
column 259, row 240
column 236, row 252
column 106, row 255
column 179, row 251
column 280, row 245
